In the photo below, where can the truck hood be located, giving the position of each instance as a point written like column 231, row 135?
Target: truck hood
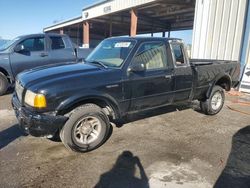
column 65, row 71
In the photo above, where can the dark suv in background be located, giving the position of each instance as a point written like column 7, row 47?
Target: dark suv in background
column 29, row 51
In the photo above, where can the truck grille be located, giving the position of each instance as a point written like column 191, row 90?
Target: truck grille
column 19, row 90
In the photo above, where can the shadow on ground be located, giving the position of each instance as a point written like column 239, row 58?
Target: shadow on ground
column 10, row 90
column 122, row 174
column 237, row 170
column 9, row 135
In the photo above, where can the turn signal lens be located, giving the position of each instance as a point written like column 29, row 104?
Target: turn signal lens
column 35, row 100
column 40, row 101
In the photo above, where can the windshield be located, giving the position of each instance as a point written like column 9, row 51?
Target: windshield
column 111, row 52
column 8, row 44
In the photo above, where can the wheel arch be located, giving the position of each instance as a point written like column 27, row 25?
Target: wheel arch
column 223, row 81
column 5, row 72
column 109, row 105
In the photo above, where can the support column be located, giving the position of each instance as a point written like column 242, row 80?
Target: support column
column 61, row 31
column 163, row 34
column 169, row 31
column 133, row 23
column 111, row 27
column 85, row 35
column 78, row 35
column 152, row 28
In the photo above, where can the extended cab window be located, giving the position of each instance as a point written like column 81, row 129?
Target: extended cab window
column 152, row 55
column 33, row 44
column 178, row 54
column 57, row 43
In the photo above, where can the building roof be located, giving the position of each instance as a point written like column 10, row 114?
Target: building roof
column 153, row 16
column 99, row 9
column 64, row 23
column 95, row 4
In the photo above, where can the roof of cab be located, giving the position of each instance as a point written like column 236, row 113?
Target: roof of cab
column 41, row 34
column 143, row 39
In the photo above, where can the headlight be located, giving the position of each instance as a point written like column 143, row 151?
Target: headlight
column 19, row 90
column 35, row 100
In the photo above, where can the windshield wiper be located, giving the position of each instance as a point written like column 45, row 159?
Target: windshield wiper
column 98, row 62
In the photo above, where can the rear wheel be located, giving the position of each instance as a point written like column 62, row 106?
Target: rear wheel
column 215, row 102
column 86, row 129
column 3, row 84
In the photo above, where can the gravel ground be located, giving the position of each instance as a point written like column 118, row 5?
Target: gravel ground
column 180, row 147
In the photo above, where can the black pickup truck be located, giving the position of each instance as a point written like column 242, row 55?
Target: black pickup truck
column 121, row 76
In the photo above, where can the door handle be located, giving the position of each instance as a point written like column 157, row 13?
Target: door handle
column 168, row 76
column 43, row 54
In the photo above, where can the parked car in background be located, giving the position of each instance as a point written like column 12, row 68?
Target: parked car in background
column 82, row 53
column 29, row 51
column 121, row 76
column 3, row 41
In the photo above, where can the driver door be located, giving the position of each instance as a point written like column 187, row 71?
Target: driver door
column 32, row 55
column 153, row 87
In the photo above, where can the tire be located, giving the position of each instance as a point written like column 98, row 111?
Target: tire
column 4, row 84
column 86, row 129
column 215, row 102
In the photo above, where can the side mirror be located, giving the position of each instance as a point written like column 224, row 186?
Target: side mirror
column 19, row 48
column 137, row 67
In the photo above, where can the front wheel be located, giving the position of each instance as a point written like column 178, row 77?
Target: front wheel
column 86, row 129
column 215, row 102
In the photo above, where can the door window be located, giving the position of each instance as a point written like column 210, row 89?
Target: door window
column 33, row 44
column 57, row 43
column 178, row 54
column 152, row 55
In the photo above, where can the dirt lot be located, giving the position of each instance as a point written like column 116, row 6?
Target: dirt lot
column 181, row 148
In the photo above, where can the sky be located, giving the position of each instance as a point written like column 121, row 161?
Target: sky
column 20, row 17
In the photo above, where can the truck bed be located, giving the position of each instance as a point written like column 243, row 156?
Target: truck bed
column 206, row 72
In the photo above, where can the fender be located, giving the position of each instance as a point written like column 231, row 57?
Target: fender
column 76, row 99
column 7, row 74
column 5, row 67
column 216, row 79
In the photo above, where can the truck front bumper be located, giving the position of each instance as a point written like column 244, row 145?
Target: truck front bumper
column 37, row 124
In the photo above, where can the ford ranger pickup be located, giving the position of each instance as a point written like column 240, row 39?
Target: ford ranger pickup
column 122, row 75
